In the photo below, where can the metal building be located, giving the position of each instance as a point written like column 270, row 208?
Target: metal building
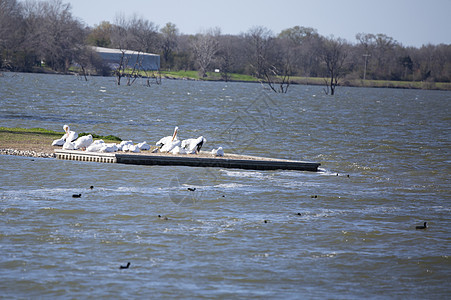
column 147, row 61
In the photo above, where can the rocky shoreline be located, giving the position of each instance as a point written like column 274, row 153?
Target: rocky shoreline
column 27, row 153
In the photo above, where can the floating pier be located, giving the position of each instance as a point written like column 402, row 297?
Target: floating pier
column 204, row 159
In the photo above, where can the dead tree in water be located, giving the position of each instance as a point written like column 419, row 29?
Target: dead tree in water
column 133, row 75
column 135, row 72
column 120, row 70
column 274, row 77
column 334, row 54
column 155, row 76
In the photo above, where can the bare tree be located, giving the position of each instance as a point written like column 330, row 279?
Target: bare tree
column 259, row 42
column 52, row 33
column 100, row 36
column 119, row 72
column 119, row 34
column 334, row 54
column 275, row 77
column 124, row 69
column 169, row 43
column 302, row 44
column 11, row 26
column 434, row 62
column 367, row 45
column 135, row 34
column 225, row 56
column 205, row 46
column 143, row 35
column 384, row 54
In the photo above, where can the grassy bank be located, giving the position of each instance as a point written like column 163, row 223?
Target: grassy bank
column 211, row 76
column 37, row 139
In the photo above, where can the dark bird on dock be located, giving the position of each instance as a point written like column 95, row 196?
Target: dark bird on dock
column 191, row 189
column 76, row 195
column 422, row 226
column 125, row 267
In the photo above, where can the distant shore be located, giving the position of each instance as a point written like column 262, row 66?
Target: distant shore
column 294, row 80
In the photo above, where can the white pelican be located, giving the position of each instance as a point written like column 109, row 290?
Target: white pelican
column 83, row 142
column 169, row 146
column 218, row 152
column 96, row 146
column 108, row 147
column 124, row 145
column 193, row 145
column 168, row 143
column 178, row 150
column 69, row 145
column 134, row 148
column 144, row 146
column 59, row 142
column 68, row 135
column 168, row 138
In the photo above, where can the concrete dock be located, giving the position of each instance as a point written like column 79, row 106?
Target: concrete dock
column 204, row 159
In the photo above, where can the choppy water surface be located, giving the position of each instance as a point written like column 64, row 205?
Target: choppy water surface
column 241, row 234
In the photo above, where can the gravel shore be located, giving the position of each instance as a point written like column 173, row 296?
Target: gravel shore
column 28, row 153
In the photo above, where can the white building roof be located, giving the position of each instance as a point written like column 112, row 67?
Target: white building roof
column 148, row 61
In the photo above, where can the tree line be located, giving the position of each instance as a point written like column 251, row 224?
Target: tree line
column 34, row 34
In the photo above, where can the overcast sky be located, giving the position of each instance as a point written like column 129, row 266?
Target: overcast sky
column 410, row 22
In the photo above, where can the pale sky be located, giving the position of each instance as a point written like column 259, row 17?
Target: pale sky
column 410, row 22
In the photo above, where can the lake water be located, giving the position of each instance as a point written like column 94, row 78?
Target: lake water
column 240, row 234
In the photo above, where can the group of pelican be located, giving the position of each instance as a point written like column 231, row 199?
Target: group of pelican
column 71, row 141
column 169, row 144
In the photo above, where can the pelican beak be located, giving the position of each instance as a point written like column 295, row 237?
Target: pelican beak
column 175, row 134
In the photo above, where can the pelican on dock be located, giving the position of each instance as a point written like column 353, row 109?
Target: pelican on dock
column 218, row 152
column 95, row 146
column 193, row 145
column 69, row 145
column 125, row 145
column 84, row 142
column 110, row 147
column 168, row 143
column 178, row 150
column 68, row 136
column 144, row 146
